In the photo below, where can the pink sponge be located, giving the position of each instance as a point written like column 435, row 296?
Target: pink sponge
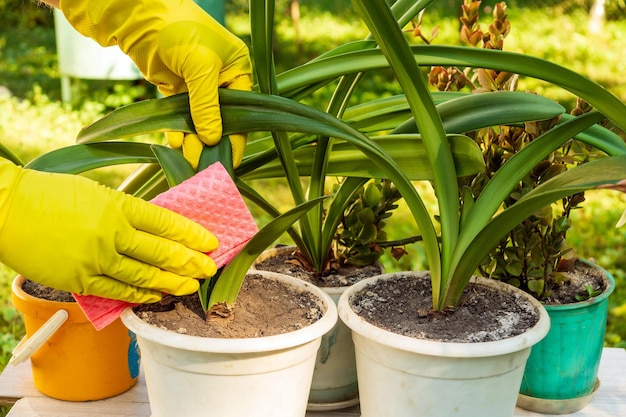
column 209, row 198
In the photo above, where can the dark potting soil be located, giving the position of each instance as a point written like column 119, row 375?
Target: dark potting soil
column 287, row 262
column 41, row 291
column 264, row 308
column 578, row 277
column 404, row 306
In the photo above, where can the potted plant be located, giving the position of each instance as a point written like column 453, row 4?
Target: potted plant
column 70, row 360
column 561, row 373
column 415, row 135
column 352, row 254
column 182, row 365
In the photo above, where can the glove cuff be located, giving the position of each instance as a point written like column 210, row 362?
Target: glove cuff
column 109, row 21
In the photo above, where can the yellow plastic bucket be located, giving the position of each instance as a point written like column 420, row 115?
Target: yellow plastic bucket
column 77, row 363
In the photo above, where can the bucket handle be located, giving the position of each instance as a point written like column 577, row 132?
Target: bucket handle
column 29, row 345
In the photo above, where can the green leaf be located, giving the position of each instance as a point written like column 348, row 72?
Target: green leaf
column 148, row 116
column 392, row 42
column 407, row 151
column 145, row 182
column 7, row 153
column 474, row 111
column 512, row 172
column 79, row 158
column 174, row 164
column 536, row 286
column 461, row 56
column 514, row 268
column 338, row 205
column 222, row 153
column 372, row 195
column 228, row 285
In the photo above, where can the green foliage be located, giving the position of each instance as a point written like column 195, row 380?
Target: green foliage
column 361, row 237
column 25, row 14
column 458, row 241
column 529, row 256
column 31, row 125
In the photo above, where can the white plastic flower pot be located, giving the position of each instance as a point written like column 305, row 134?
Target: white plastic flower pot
column 267, row 376
column 402, row 376
column 334, row 384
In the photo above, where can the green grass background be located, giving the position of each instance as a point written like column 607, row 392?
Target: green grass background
column 33, row 120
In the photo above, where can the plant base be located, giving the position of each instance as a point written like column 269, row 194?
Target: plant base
column 266, row 376
column 404, row 376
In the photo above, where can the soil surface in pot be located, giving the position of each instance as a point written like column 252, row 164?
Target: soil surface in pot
column 41, row 291
column 579, row 276
column 403, row 305
column 288, row 263
column 264, row 308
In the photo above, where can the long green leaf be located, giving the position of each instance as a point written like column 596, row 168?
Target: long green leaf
column 174, row 164
column 262, row 35
column 256, row 198
column 441, row 55
column 505, row 180
column 394, row 46
column 228, row 285
column 148, row 116
column 143, row 178
column 474, row 111
column 79, row 158
column 407, row 152
column 243, row 111
column 600, row 138
column 512, row 172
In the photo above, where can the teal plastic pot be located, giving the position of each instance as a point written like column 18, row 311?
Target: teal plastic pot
column 563, row 367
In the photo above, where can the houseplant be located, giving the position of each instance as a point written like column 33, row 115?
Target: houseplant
column 561, row 373
column 357, row 245
column 427, row 142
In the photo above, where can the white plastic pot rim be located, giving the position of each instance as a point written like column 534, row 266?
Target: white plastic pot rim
column 437, row 348
column 258, row 344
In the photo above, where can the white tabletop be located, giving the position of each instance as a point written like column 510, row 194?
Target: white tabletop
column 17, row 389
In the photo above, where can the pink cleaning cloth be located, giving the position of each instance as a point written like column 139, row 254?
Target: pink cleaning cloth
column 209, row 198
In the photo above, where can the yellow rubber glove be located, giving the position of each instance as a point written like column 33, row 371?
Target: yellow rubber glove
column 178, row 47
column 73, row 234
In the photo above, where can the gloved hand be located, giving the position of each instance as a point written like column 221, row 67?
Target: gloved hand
column 73, row 234
column 178, row 47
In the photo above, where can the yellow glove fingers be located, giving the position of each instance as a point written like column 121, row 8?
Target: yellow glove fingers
column 203, row 70
column 119, row 290
column 168, row 255
column 192, row 149
column 187, row 50
column 137, row 275
column 238, row 144
column 156, row 220
column 190, row 143
column 175, row 139
column 238, row 77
